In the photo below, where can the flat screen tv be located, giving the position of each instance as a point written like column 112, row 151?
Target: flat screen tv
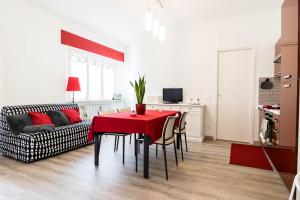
column 172, row 95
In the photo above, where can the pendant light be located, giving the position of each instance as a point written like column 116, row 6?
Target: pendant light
column 152, row 22
column 148, row 18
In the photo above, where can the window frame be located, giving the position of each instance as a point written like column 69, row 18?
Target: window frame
column 91, row 58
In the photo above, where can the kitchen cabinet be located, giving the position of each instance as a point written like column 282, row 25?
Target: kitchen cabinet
column 288, row 114
column 277, row 60
column 289, row 63
column 194, row 118
column 289, row 21
column 288, row 95
column 284, row 153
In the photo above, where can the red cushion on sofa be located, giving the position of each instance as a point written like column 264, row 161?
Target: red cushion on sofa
column 73, row 115
column 40, row 118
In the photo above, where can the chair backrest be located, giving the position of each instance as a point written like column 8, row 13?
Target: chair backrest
column 168, row 130
column 182, row 121
column 106, row 112
column 123, row 110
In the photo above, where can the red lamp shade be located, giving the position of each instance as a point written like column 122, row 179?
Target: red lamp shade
column 73, row 84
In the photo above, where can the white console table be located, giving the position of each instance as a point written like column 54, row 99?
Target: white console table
column 194, row 119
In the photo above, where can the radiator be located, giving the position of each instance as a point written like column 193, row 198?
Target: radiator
column 90, row 109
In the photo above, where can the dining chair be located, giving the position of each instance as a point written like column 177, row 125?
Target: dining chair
column 116, row 135
column 181, row 130
column 166, row 140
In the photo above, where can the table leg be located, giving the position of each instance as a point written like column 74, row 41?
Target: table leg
column 96, row 140
column 147, row 142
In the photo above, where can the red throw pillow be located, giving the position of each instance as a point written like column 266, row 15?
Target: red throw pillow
column 73, row 115
column 40, row 118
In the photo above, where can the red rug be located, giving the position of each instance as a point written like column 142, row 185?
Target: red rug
column 249, row 156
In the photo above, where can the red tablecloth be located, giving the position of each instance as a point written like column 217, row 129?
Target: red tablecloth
column 150, row 124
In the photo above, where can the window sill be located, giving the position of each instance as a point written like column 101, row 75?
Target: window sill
column 98, row 102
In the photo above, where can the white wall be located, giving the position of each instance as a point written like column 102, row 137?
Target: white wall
column 34, row 60
column 1, row 82
column 188, row 58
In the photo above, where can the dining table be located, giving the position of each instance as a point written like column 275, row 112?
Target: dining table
column 150, row 125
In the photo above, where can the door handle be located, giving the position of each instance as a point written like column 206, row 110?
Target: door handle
column 287, row 77
column 287, row 85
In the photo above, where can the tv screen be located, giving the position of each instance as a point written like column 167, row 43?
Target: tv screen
column 172, row 95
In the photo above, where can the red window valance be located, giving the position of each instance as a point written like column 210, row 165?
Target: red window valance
column 76, row 41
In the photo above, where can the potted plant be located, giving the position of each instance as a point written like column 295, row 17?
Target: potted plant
column 139, row 89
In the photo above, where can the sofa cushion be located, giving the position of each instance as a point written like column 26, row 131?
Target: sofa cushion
column 59, row 118
column 38, row 128
column 73, row 115
column 40, row 118
column 16, row 123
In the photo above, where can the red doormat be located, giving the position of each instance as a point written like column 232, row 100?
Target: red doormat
column 249, row 156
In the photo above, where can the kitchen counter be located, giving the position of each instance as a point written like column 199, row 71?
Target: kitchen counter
column 271, row 111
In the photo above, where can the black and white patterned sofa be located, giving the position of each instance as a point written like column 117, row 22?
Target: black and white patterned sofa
column 32, row 147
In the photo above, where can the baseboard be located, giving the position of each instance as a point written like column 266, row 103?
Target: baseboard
column 209, row 138
column 194, row 139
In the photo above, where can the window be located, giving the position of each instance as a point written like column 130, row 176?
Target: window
column 95, row 75
column 95, row 83
column 108, row 82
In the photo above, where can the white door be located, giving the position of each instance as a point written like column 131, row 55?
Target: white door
column 235, row 95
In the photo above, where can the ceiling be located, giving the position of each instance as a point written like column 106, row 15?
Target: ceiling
column 124, row 18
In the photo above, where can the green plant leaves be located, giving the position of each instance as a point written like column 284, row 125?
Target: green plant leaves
column 139, row 87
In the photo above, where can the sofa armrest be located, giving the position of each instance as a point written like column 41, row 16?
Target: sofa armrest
column 28, row 145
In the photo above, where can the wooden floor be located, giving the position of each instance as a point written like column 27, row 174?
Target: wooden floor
column 205, row 174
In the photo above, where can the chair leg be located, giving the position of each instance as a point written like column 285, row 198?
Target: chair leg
column 166, row 166
column 100, row 137
column 100, row 143
column 123, row 149
column 139, row 147
column 156, row 149
column 118, row 139
column 130, row 138
column 135, row 145
column 115, row 146
column 181, row 148
column 136, row 155
column 175, row 153
column 186, row 148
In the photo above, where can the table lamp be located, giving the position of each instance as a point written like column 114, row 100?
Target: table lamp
column 73, row 85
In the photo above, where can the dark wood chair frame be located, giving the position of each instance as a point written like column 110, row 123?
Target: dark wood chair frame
column 164, row 144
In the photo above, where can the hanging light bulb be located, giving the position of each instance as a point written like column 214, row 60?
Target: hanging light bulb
column 162, row 33
column 156, row 27
column 148, row 20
